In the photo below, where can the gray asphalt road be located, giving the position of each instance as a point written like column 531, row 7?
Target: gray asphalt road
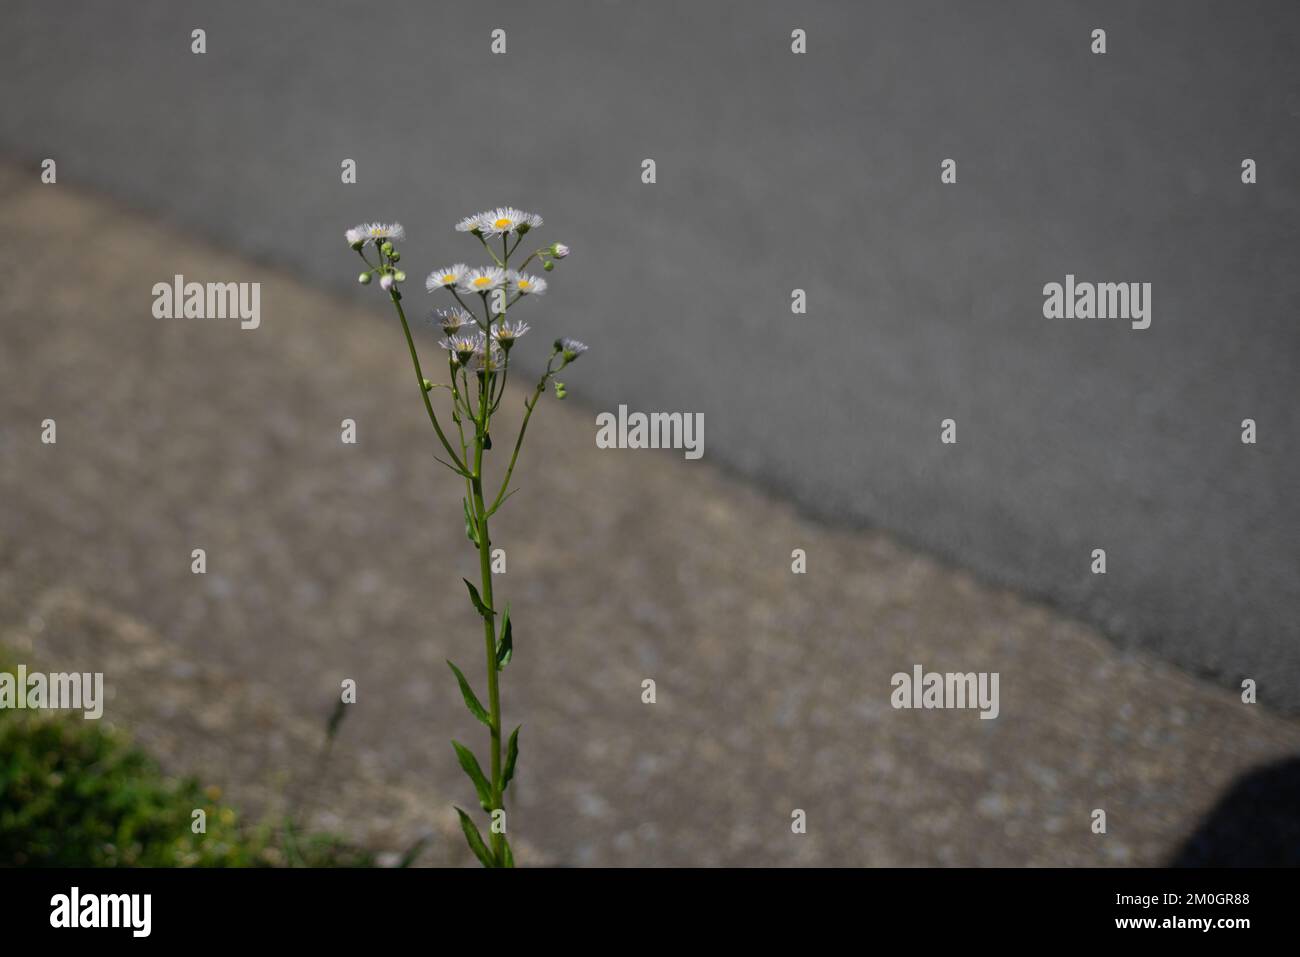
column 820, row 172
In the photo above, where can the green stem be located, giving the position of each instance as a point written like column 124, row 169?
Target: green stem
column 419, row 381
column 489, row 621
column 529, row 404
column 489, row 250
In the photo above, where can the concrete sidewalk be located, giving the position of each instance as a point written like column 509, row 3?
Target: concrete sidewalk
column 820, row 172
column 328, row 561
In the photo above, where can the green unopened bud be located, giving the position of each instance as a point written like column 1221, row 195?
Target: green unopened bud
column 399, row 276
column 386, row 248
column 560, row 391
column 549, row 265
column 394, row 255
column 364, row 279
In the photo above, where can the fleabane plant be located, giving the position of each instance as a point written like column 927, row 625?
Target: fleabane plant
column 479, row 339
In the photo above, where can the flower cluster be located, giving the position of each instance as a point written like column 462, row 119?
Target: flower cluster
column 478, row 339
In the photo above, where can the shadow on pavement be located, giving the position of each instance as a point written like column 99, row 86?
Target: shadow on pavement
column 1255, row 824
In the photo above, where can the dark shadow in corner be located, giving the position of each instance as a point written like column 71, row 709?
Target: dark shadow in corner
column 1255, row 824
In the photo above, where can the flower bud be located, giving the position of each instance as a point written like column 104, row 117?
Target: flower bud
column 386, row 248
column 386, row 282
column 559, row 250
column 394, row 255
column 399, row 276
column 364, row 279
column 548, row 265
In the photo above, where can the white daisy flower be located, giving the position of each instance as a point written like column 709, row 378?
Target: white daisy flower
column 506, row 221
column 525, row 284
column 447, row 276
column 375, row 233
column 453, row 320
column 468, row 224
column 483, row 280
column 464, row 347
column 506, row 332
column 571, row 348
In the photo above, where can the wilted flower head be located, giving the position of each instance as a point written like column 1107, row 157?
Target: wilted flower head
column 367, row 233
column 502, row 221
column 483, row 280
column 525, row 284
column 453, row 320
column 493, row 361
column 447, row 276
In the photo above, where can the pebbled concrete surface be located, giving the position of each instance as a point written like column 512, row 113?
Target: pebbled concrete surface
column 820, row 172
column 328, row 561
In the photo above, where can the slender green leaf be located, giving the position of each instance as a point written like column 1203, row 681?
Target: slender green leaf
column 471, row 700
column 506, row 645
column 481, row 608
column 413, row 852
column 475, row 840
column 470, row 765
column 512, row 755
column 471, row 530
column 336, row 718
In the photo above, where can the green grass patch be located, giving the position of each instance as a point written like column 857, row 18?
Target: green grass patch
column 75, row 794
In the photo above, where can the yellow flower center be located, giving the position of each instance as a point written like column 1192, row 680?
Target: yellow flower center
column 483, row 281
column 503, row 223
column 449, row 277
column 525, row 284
